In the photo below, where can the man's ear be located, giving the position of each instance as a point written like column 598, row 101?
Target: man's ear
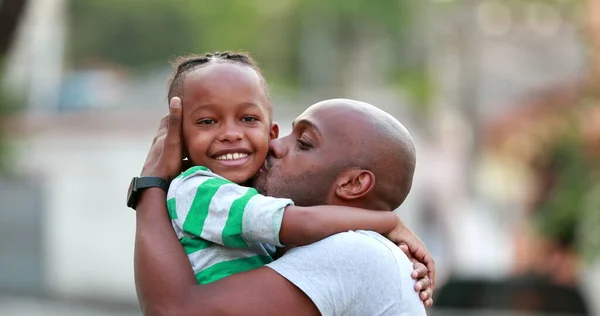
column 354, row 184
column 274, row 133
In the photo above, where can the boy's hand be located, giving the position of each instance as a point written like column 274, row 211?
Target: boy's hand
column 416, row 251
column 166, row 153
column 423, row 284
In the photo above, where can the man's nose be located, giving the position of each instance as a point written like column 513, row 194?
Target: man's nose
column 277, row 148
column 231, row 133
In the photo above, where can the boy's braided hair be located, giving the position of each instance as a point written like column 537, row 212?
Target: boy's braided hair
column 185, row 64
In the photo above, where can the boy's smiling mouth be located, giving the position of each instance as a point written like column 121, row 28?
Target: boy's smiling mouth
column 232, row 157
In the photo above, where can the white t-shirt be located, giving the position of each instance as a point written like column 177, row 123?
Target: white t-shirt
column 353, row 273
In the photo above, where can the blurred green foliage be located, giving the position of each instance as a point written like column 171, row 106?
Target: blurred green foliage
column 136, row 34
column 8, row 105
column 3, row 106
column 570, row 211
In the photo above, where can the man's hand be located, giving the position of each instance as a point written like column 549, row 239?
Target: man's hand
column 166, row 153
column 423, row 262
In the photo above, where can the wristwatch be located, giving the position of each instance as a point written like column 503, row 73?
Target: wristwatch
column 140, row 183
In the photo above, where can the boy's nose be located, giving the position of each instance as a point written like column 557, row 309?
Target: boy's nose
column 231, row 135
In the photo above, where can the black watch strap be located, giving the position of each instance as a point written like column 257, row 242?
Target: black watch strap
column 140, row 183
column 151, row 182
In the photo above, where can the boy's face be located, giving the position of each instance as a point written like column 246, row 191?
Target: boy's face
column 226, row 123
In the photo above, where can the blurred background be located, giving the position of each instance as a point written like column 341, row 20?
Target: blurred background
column 501, row 97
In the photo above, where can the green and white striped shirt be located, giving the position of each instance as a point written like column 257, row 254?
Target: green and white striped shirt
column 222, row 225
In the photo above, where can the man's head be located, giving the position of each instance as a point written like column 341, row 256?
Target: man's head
column 341, row 152
column 227, row 121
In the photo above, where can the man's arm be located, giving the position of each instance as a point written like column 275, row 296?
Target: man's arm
column 166, row 284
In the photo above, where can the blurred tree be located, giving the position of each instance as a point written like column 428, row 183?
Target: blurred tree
column 301, row 44
column 10, row 15
column 558, row 137
column 565, row 203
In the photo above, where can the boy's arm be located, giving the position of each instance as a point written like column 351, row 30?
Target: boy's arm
column 203, row 205
column 306, row 225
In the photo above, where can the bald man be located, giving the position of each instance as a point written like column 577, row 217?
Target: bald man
column 340, row 152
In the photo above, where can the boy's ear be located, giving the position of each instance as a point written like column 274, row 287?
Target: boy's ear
column 274, row 133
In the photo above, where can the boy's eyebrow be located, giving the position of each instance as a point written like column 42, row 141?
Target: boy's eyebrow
column 201, row 106
column 309, row 124
column 249, row 105
column 244, row 104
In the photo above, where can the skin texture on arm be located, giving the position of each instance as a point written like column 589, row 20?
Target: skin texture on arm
column 306, row 225
column 155, row 256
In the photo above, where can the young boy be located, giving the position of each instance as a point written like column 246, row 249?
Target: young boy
column 227, row 126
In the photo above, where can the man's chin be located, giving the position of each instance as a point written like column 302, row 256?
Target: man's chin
column 259, row 182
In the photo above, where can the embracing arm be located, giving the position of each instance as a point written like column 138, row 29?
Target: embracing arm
column 162, row 270
column 166, row 284
column 306, row 225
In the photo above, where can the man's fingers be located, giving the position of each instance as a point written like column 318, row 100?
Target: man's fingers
column 174, row 126
column 175, row 111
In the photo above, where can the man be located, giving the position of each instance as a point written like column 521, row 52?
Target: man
column 340, row 152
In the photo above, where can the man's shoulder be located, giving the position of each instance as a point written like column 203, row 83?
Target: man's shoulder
column 359, row 241
column 359, row 272
column 367, row 251
column 361, row 249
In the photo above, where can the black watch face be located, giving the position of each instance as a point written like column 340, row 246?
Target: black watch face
column 130, row 193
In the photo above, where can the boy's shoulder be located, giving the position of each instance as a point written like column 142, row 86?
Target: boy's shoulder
column 198, row 171
column 200, row 177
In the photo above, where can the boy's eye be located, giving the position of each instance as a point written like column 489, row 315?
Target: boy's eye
column 249, row 118
column 206, row 121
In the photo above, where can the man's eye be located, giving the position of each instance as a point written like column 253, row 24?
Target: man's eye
column 205, row 122
column 303, row 145
column 249, row 118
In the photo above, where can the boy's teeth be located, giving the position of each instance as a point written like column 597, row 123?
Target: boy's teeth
column 232, row 156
